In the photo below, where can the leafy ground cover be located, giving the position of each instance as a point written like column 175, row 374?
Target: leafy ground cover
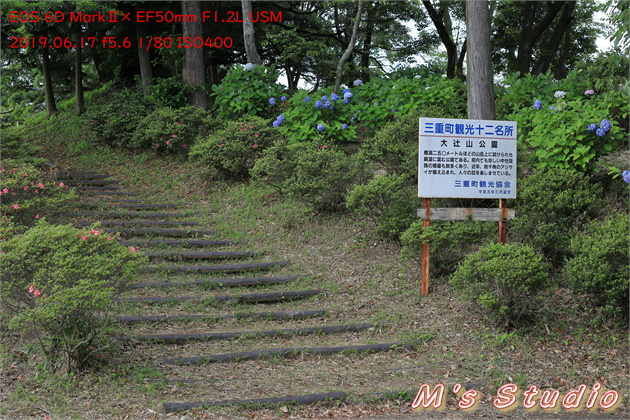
column 365, row 281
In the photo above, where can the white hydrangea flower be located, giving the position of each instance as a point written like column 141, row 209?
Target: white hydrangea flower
column 559, row 94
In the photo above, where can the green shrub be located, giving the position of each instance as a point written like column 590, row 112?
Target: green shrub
column 449, row 242
column 170, row 92
column 233, row 149
column 28, row 194
column 59, row 283
column 388, row 201
column 550, row 204
column 245, row 92
column 600, row 263
column 505, row 281
column 572, row 131
column 115, row 122
column 170, row 130
column 318, row 175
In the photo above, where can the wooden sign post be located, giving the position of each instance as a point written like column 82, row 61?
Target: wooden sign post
column 465, row 159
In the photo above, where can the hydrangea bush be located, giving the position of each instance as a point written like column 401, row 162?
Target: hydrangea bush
column 245, row 91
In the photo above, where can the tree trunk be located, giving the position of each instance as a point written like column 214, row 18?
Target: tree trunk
column 48, row 86
column 350, row 47
column 248, row 33
column 193, row 72
column 480, row 76
column 144, row 58
column 445, row 37
column 78, row 70
column 550, row 50
column 530, row 33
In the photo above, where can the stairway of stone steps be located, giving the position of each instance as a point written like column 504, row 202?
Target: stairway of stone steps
column 205, row 310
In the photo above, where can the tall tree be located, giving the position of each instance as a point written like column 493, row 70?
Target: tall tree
column 442, row 20
column 348, row 52
column 480, row 77
column 248, row 33
column 193, row 72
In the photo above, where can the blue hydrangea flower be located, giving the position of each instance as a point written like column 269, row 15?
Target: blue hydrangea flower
column 283, row 98
column 319, row 104
column 345, row 127
column 538, row 104
column 357, row 82
column 605, row 125
column 592, row 128
column 276, row 123
column 552, row 107
column 320, row 127
column 345, row 90
column 307, row 99
column 600, row 132
column 626, row 176
column 334, row 97
column 347, row 95
column 272, row 101
column 280, row 118
column 327, row 105
column 324, row 98
column 249, row 66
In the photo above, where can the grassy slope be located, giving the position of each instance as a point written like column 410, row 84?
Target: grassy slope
column 365, row 281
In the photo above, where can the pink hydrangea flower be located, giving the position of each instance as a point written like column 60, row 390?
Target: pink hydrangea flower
column 174, row 135
column 36, row 293
column 85, row 238
column 94, row 232
column 40, row 185
column 168, row 142
column 15, row 206
column 6, row 191
column 61, row 184
column 132, row 249
column 37, row 216
column 25, row 187
column 590, row 92
column 30, row 289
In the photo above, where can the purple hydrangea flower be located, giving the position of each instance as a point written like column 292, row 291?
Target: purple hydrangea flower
column 319, row 104
column 249, row 66
column 600, row 132
column 605, row 125
column 538, row 104
column 592, row 128
column 272, row 101
column 626, row 176
column 590, row 92
column 307, row 99
column 334, row 97
column 320, row 127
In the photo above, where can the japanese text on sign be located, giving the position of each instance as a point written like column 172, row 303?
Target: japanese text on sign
column 467, row 159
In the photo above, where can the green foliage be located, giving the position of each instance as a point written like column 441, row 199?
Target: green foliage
column 170, row 92
column 59, row 283
column 115, row 122
column 558, row 134
column 449, row 242
column 233, row 149
column 170, row 130
column 388, row 201
column 247, row 92
column 395, row 145
column 28, row 194
column 316, row 174
column 302, row 118
column 599, row 265
column 504, row 280
column 550, row 204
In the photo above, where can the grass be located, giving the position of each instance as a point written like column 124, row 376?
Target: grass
column 365, row 281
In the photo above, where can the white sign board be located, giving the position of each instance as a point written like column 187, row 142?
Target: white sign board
column 467, row 158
